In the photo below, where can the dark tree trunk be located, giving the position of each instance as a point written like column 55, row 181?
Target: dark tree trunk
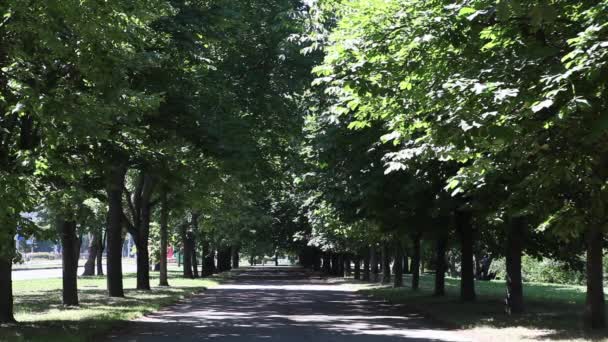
column 89, row 265
column 398, row 281
column 440, row 265
column 327, row 262
column 347, row 266
column 6, row 282
column 357, row 263
column 114, row 230
column 164, row 237
column 276, row 260
column 416, row 263
column 467, row 276
column 595, row 311
column 143, row 263
column 70, row 251
column 194, row 257
column 208, row 260
column 386, row 264
column 515, row 290
column 235, row 257
column 187, row 254
column 143, row 207
column 374, row 263
column 366, row 269
column 335, row 264
column 406, row 263
column 100, row 248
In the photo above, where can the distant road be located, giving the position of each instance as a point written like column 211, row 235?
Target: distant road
column 127, row 267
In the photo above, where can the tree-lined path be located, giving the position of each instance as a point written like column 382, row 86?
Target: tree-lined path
column 283, row 304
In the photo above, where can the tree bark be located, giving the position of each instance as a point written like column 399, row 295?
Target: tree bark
column 440, row 266
column 398, row 267
column 467, row 273
column 194, row 255
column 515, row 292
column 70, row 252
column 386, row 264
column 89, row 265
column 209, row 259
column 116, row 178
column 595, row 315
column 366, row 268
column 416, row 263
column 357, row 262
column 346, row 266
column 406, row 263
column 164, row 237
column 6, row 282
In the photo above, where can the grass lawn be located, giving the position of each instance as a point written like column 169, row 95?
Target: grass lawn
column 42, row 317
column 553, row 312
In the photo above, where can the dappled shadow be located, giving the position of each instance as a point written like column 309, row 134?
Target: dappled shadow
column 283, row 307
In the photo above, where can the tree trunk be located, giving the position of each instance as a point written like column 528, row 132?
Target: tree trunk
column 187, row 254
column 327, row 262
column 164, row 237
column 406, row 263
column 416, row 263
column 143, row 262
column 467, row 273
column 595, row 315
column 386, row 264
column 6, row 282
column 89, row 265
column 357, row 262
column 100, row 248
column 515, row 292
column 235, row 257
column 114, row 230
column 194, row 257
column 347, row 266
column 276, row 260
column 366, row 270
column 208, row 260
column 374, row 264
column 69, row 257
column 398, row 281
column 440, row 265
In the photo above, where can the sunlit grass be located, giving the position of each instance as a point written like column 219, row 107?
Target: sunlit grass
column 42, row 317
column 552, row 311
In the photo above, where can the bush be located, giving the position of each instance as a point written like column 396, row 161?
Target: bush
column 542, row 270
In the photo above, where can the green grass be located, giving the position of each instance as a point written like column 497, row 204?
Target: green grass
column 42, row 317
column 552, row 311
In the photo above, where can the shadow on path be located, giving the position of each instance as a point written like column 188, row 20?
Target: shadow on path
column 266, row 305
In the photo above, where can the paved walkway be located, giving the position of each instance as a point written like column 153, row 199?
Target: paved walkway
column 270, row 304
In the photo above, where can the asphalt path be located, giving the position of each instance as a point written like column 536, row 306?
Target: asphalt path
column 284, row 304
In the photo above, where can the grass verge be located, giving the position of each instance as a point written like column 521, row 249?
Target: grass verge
column 42, row 317
column 553, row 312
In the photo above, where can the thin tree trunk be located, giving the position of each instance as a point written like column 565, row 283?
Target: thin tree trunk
column 595, row 312
column 235, row 257
column 114, row 231
column 416, row 263
column 357, row 262
column 89, row 265
column 100, row 248
column 374, row 264
column 187, row 262
column 347, row 266
column 406, row 263
column 366, row 269
column 441, row 266
column 194, row 257
column 209, row 259
column 327, row 262
column 6, row 282
column 398, row 281
column 164, row 232
column 386, row 264
column 69, row 257
column 515, row 292
column 467, row 276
